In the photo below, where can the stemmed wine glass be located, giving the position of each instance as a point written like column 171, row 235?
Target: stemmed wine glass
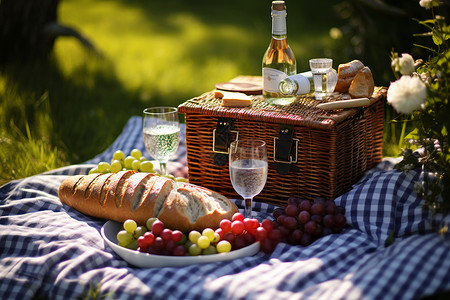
column 161, row 131
column 248, row 169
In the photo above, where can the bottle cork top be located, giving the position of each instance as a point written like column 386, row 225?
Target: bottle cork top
column 278, row 5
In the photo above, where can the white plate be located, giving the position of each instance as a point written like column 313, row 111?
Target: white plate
column 145, row 260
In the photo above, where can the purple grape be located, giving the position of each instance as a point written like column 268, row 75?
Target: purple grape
column 281, row 218
column 296, row 236
column 340, row 210
column 317, row 218
column 293, row 201
column 239, row 242
column 304, row 217
column 319, row 200
column 278, row 212
column 291, row 210
column 305, row 205
column 330, row 207
column 290, row 222
column 319, row 230
column 340, row 221
column 317, row 209
column 328, row 221
column 306, row 239
column 310, row 227
column 276, row 235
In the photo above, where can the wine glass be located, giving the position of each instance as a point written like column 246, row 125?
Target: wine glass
column 161, row 131
column 248, row 169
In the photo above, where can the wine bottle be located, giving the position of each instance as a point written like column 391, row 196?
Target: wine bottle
column 303, row 83
column 279, row 60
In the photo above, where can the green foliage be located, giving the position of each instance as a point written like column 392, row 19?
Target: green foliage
column 431, row 124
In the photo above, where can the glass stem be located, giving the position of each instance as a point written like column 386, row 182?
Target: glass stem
column 162, row 168
column 248, row 207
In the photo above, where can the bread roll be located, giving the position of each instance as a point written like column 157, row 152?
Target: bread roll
column 140, row 196
column 362, row 85
column 346, row 73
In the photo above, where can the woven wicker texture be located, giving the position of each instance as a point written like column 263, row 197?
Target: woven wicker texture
column 335, row 148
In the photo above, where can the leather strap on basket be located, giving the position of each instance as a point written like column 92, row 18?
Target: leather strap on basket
column 283, row 149
column 222, row 140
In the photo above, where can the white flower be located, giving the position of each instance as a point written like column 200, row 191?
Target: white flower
column 404, row 64
column 407, row 94
column 429, row 3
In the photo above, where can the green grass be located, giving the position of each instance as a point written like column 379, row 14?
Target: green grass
column 72, row 107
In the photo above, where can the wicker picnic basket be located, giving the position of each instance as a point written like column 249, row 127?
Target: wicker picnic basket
column 311, row 152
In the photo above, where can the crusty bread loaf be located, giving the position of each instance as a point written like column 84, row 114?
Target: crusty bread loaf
column 346, row 73
column 194, row 207
column 140, row 196
column 362, row 85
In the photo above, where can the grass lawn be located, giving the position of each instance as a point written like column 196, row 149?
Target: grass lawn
column 72, row 107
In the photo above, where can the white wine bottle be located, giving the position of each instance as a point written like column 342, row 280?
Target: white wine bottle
column 279, row 60
column 303, row 83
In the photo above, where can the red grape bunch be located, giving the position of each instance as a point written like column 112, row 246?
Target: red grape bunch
column 302, row 221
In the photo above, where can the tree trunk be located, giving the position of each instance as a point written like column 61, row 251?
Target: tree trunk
column 28, row 29
column 22, row 24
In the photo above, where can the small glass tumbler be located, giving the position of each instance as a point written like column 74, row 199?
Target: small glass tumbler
column 319, row 68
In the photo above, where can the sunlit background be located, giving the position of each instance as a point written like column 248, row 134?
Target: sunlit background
column 71, row 106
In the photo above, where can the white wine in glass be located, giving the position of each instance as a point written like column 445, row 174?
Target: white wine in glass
column 161, row 131
column 248, row 169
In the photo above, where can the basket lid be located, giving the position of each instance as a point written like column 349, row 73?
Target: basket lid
column 302, row 112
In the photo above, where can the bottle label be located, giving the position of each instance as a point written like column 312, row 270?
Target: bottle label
column 271, row 79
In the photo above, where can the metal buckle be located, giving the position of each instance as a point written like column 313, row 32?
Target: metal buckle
column 228, row 148
column 290, row 157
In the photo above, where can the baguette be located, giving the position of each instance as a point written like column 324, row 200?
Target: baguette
column 140, row 196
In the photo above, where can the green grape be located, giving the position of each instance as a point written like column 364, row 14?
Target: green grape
column 143, row 158
column 123, row 245
column 128, row 162
column 116, row 166
column 140, row 230
column 209, row 233
column 130, row 226
column 210, row 250
column 203, row 242
column 194, row 249
column 180, row 179
column 135, row 165
column 149, row 223
column 187, row 244
column 119, row 155
column 194, row 235
column 136, row 153
column 124, row 237
column 170, row 176
column 94, row 170
column 183, row 241
column 103, row 166
column 223, row 246
column 216, row 238
column 132, row 245
column 146, row 166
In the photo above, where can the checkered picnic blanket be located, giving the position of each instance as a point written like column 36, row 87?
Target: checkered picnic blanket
column 51, row 251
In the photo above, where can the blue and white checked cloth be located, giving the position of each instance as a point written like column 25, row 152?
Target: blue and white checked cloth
column 50, row 251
